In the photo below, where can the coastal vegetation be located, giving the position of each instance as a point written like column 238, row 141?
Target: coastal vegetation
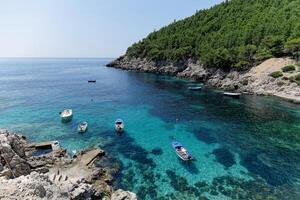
column 234, row 34
column 288, row 68
column 276, row 74
column 297, row 79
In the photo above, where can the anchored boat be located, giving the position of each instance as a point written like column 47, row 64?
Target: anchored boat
column 82, row 127
column 119, row 125
column 181, row 151
column 194, row 88
column 232, row 94
column 66, row 115
column 92, row 81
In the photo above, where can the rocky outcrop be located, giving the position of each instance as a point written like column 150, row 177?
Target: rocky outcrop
column 255, row 81
column 54, row 175
column 39, row 186
column 138, row 64
column 12, row 155
column 123, row 195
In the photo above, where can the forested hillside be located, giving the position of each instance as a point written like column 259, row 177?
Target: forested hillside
column 234, row 34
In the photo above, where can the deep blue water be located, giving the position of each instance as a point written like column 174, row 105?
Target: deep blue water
column 247, row 148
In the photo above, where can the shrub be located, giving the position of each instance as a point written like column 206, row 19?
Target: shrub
column 298, row 64
column 285, row 78
column 297, row 77
column 292, row 46
column 276, row 74
column 288, row 68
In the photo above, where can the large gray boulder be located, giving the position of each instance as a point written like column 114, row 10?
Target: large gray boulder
column 12, row 155
column 123, row 195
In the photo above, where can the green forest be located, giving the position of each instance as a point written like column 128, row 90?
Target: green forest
column 234, row 34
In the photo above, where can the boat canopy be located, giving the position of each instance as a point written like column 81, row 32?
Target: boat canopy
column 176, row 144
column 119, row 121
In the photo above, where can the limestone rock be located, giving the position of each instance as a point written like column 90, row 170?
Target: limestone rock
column 255, row 81
column 49, row 176
column 82, row 191
column 123, row 195
column 40, row 191
column 19, row 166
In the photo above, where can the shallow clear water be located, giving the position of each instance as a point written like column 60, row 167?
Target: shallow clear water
column 247, row 148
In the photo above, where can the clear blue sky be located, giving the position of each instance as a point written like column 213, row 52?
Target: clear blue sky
column 84, row 28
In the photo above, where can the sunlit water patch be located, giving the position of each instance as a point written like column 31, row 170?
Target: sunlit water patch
column 247, row 148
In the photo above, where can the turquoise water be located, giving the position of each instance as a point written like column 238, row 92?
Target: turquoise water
column 247, row 148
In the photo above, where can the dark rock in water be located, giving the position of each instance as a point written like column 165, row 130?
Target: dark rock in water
column 177, row 182
column 272, row 175
column 214, row 193
column 201, row 184
column 151, row 191
column 142, row 192
column 203, row 198
column 205, row 136
column 237, row 188
column 181, row 184
column 136, row 153
column 157, row 151
column 129, row 176
column 224, row 156
column 149, row 176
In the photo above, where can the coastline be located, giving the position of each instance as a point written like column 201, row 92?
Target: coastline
column 255, row 81
column 55, row 174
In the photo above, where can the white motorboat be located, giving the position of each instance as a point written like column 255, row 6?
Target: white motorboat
column 66, row 115
column 232, row 94
column 194, row 88
column 82, row 127
column 181, row 152
column 119, row 125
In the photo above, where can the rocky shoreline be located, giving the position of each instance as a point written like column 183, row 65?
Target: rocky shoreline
column 53, row 175
column 255, row 81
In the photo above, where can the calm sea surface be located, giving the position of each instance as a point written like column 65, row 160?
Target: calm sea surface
column 247, row 148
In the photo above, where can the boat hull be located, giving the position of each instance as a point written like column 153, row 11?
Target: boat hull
column 195, row 88
column 66, row 115
column 67, row 119
column 82, row 128
column 119, row 128
column 233, row 95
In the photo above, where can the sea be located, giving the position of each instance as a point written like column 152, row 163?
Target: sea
column 242, row 148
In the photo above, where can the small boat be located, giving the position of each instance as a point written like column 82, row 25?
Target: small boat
column 194, row 88
column 55, row 145
column 232, row 94
column 91, row 81
column 119, row 125
column 181, row 151
column 82, row 127
column 66, row 115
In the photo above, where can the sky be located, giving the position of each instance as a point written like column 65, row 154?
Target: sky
column 85, row 28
